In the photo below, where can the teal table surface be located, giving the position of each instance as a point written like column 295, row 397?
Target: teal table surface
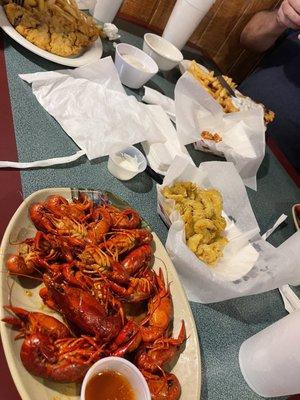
column 222, row 327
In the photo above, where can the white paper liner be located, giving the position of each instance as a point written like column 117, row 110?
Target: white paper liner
column 243, row 132
column 250, row 265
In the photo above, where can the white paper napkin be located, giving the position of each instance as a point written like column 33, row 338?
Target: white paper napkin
column 154, row 97
column 161, row 155
column 92, row 107
column 42, row 163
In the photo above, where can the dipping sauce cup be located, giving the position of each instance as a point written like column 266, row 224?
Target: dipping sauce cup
column 124, row 368
column 134, row 66
column 120, row 167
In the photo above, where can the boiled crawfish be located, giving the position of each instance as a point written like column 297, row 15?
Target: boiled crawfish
column 49, row 350
column 152, row 357
column 94, row 260
column 162, row 385
column 123, row 219
column 79, row 210
column 160, row 312
column 83, row 310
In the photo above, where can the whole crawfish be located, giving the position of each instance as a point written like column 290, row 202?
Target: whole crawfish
column 160, row 312
column 83, row 310
column 137, row 289
column 36, row 254
column 47, row 222
column 123, row 219
column 152, row 357
column 124, row 240
column 137, row 258
column 49, row 350
column 163, row 386
column 128, row 340
column 100, row 225
column 79, row 210
column 28, row 261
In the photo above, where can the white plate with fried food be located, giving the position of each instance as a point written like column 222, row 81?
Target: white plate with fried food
column 86, row 54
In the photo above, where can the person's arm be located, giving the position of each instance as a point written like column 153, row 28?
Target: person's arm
column 262, row 31
column 265, row 27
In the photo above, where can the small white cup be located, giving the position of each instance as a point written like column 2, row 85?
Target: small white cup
column 134, row 76
column 163, row 52
column 120, row 171
column 270, row 360
column 124, row 367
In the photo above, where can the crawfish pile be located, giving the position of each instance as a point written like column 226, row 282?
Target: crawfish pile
column 95, row 263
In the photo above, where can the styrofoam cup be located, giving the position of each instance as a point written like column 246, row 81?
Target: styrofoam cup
column 185, row 17
column 164, row 53
column 106, row 10
column 124, row 367
column 130, row 75
column 122, row 173
column 270, row 360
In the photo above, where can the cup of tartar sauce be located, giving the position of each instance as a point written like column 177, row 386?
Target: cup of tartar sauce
column 127, row 163
column 134, row 66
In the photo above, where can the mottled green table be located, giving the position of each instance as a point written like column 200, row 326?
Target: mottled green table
column 221, row 327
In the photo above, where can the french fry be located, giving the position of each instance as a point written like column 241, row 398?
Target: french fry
column 213, row 86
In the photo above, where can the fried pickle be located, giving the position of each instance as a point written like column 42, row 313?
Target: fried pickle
column 201, row 211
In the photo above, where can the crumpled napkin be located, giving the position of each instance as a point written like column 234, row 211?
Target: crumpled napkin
column 154, row 97
column 92, row 107
column 243, row 132
column 161, row 155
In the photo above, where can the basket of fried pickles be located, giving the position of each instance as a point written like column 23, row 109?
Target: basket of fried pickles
column 213, row 238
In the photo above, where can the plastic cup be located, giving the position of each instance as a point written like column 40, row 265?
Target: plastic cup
column 121, row 172
column 106, row 10
column 185, row 17
column 124, row 367
column 270, row 360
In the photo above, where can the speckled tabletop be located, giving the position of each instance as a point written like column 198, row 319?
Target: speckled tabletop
column 222, row 327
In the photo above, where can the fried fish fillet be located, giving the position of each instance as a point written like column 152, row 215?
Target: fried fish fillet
column 52, row 29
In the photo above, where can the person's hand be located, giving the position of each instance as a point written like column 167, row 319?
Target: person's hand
column 289, row 14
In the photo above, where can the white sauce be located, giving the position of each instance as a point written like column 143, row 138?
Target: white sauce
column 127, row 162
column 135, row 62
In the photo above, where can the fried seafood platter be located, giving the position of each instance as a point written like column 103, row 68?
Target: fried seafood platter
column 85, row 278
column 57, row 26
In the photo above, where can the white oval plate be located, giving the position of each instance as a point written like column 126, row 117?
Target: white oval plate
column 92, row 53
column 187, row 368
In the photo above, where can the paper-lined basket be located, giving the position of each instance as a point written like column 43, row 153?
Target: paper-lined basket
column 249, row 265
column 241, row 133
